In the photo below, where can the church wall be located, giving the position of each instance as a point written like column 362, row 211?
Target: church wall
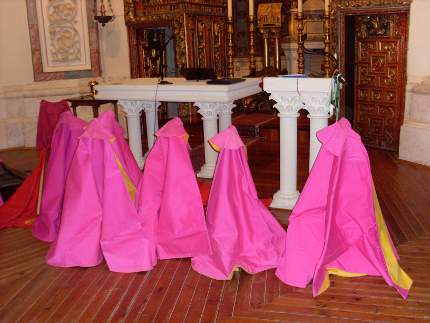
column 20, row 95
column 415, row 131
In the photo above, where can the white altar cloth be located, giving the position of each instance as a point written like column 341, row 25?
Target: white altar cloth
column 135, row 95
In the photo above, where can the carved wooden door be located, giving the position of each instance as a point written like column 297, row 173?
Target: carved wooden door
column 380, row 67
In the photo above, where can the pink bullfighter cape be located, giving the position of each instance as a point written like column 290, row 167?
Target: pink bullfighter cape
column 337, row 226
column 99, row 219
column 242, row 230
column 168, row 198
column 63, row 147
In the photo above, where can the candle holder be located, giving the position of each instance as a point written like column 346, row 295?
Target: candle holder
column 251, row 46
column 326, row 60
column 300, row 43
column 230, row 52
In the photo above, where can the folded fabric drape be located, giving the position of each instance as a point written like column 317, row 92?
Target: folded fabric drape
column 49, row 114
column 243, row 232
column 1, row 200
column 337, row 226
column 99, row 219
column 63, row 147
column 168, row 198
column 20, row 210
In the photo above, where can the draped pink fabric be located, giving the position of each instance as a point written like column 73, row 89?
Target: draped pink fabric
column 168, row 198
column 1, row 200
column 107, row 119
column 63, row 147
column 49, row 113
column 99, row 219
column 334, row 228
column 242, row 230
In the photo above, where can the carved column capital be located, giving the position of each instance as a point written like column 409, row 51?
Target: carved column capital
column 208, row 110
column 150, row 106
column 317, row 105
column 288, row 105
column 131, row 107
column 225, row 108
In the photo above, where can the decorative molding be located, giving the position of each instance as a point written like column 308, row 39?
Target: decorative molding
column 287, row 105
column 348, row 4
column 208, row 110
column 132, row 108
column 64, row 39
column 225, row 108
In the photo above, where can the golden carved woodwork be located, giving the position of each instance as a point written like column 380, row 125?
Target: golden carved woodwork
column 269, row 15
column 199, row 28
column 345, row 4
column 379, row 81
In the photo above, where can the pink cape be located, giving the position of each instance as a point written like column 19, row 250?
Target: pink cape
column 337, row 226
column 168, row 199
column 99, row 218
column 63, row 147
column 242, row 230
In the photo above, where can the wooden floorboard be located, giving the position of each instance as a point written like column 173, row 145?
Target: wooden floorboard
column 32, row 291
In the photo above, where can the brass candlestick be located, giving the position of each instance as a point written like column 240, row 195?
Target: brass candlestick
column 326, row 60
column 265, row 33
column 92, row 85
column 276, row 35
column 300, row 43
column 230, row 52
column 251, row 46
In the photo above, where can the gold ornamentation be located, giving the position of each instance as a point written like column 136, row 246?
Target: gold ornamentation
column 300, row 44
column 251, row 45
column 344, row 4
column 230, row 52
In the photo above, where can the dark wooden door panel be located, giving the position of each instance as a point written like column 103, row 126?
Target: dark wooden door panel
column 380, row 67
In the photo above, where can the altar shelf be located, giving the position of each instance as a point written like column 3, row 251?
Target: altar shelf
column 168, row 198
column 99, row 219
column 243, row 232
column 337, row 225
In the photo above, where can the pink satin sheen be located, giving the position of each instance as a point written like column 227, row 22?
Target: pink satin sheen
column 49, row 114
column 333, row 223
column 168, row 198
column 99, row 219
column 63, row 147
column 242, row 230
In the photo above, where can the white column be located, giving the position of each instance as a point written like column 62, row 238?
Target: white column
column 132, row 110
column 224, row 111
column 150, row 108
column 319, row 112
column 317, row 122
column 287, row 195
column 209, row 112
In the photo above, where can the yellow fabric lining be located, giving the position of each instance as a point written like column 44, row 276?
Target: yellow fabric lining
column 214, row 146
column 397, row 275
column 127, row 181
column 337, row 272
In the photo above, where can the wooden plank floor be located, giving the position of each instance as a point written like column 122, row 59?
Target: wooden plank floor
column 31, row 291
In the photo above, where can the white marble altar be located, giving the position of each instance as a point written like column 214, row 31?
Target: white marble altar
column 291, row 95
column 213, row 101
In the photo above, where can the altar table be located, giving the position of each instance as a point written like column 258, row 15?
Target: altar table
column 213, row 101
column 291, row 95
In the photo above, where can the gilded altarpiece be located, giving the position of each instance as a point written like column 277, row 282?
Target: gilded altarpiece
column 199, row 29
